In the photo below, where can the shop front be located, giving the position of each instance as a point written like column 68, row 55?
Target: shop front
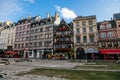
column 110, row 54
column 92, row 53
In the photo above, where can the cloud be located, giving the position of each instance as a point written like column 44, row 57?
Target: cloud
column 106, row 9
column 31, row 1
column 8, row 8
column 66, row 13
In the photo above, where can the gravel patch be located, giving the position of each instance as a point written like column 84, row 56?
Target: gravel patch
column 33, row 77
column 9, row 71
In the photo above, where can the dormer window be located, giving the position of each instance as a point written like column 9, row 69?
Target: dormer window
column 77, row 23
column 108, row 26
column 84, row 23
column 102, row 27
column 103, row 35
column 90, row 22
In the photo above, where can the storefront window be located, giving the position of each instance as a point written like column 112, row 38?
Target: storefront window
column 84, row 39
column 78, row 39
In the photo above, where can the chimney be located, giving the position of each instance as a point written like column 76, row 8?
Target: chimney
column 47, row 15
column 28, row 17
column 56, row 15
column 22, row 17
column 38, row 18
column 111, row 19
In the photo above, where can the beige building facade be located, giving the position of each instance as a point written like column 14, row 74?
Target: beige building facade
column 85, row 37
column 116, row 17
column 7, row 35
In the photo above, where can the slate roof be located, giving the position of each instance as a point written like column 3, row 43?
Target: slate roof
column 85, row 17
column 69, row 25
column 116, row 16
column 112, row 22
column 45, row 21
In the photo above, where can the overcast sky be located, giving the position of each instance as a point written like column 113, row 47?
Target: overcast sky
column 13, row 10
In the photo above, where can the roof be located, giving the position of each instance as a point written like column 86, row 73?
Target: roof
column 85, row 17
column 112, row 22
column 69, row 25
column 116, row 16
column 45, row 21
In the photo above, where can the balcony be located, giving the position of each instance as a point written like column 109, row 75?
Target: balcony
column 91, row 33
column 62, row 29
column 79, row 44
column 63, row 42
column 62, row 49
column 78, row 34
column 61, row 36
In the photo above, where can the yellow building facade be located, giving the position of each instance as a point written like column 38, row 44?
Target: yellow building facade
column 85, row 36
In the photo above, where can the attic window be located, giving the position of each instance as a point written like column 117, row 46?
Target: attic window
column 42, row 24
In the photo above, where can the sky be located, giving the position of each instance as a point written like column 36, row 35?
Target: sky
column 13, row 10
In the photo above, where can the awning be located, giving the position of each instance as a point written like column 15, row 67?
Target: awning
column 110, row 51
column 91, row 50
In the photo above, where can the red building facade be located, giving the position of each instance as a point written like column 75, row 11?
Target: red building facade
column 108, row 40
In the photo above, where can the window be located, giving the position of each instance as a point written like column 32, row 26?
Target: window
column 26, row 27
column 103, row 35
column 119, row 25
column 35, row 44
column 22, row 45
column 20, row 39
column 77, row 23
column 27, row 32
column 109, row 34
column 50, row 29
column 18, row 28
column 77, row 30
column 36, row 37
column 20, row 33
column 27, row 38
column 41, row 30
column 11, row 41
column 91, row 29
column 78, row 39
column 47, row 28
column 26, row 45
column 8, row 41
column 84, row 29
column 31, row 44
column 84, row 39
column 23, row 38
column 40, row 43
column 37, row 24
column 91, row 39
column 90, row 22
column 36, row 30
column 15, row 45
column 18, row 45
column 32, row 31
column 108, row 26
column 21, row 27
column 102, row 27
column 84, row 23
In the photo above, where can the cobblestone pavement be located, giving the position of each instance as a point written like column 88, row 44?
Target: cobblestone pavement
column 8, row 71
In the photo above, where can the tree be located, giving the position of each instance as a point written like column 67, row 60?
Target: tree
column 71, row 53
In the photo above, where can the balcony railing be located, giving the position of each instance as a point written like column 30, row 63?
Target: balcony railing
column 62, row 29
column 62, row 49
column 65, row 35
column 63, row 42
column 78, row 34
column 91, row 33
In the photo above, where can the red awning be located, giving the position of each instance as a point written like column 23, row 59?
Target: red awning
column 110, row 51
column 10, row 52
